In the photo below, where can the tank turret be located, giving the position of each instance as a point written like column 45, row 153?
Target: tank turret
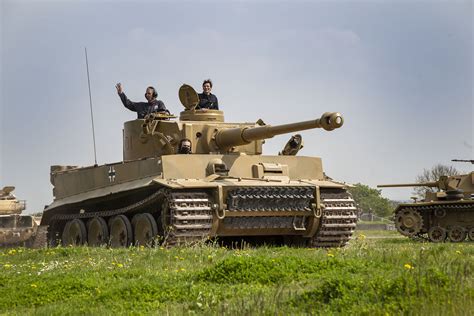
column 449, row 187
column 9, row 204
column 159, row 134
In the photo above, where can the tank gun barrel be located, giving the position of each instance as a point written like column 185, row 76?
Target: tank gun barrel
column 463, row 160
column 240, row 136
column 401, row 185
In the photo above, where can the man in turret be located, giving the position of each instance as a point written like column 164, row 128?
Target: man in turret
column 143, row 108
column 207, row 100
column 184, row 146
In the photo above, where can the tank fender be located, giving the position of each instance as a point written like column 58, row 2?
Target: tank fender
column 185, row 183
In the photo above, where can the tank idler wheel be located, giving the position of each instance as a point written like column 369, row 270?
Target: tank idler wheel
column 470, row 234
column 408, row 222
column 457, row 234
column 97, row 232
column 144, row 229
column 437, row 234
column 74, row 233
column 120, row 231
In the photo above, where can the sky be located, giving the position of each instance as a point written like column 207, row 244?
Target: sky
column 400, row 72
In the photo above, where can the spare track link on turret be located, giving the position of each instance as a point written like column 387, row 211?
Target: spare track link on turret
column 250, row 200
column 338, row 220
column 188, row 217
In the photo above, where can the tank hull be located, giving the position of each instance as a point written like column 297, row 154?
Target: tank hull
column 437, row 221
column 17, row 230
column 188, row 198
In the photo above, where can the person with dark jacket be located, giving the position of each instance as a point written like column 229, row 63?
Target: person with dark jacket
column 142, row 108
column 207, row 100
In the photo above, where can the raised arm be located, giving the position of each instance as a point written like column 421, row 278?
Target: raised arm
column 126, row 102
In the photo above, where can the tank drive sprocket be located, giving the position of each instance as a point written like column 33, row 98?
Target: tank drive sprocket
column 408, row 222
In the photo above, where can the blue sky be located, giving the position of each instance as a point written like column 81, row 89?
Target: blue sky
column 399, row 71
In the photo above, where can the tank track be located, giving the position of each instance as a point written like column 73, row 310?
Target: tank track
column 188, row 217
column 338, row 220
column 107, row 213
column 40, row 239
column 53, row 233
column 428, row 211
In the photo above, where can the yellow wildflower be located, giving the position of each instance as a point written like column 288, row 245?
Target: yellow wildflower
column 408, row 266
column 34, row 285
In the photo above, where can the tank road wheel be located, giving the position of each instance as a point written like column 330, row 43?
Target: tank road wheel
column 470, row 234
column 457, row 234
column 97, row 232
column 120, row 231
column 408, row 222
column 74, row 233
column 437, row 234
column 144, row 229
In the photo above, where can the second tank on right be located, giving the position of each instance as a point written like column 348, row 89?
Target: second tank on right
column 444, row 215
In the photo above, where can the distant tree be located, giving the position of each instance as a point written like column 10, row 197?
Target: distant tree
column 371, row 199
column 433, row 174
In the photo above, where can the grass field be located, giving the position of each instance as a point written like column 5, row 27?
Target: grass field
column 378, row 273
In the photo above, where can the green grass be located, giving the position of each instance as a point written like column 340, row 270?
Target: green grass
column 379, row 276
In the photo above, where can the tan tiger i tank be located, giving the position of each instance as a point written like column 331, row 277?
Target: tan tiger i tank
column 444, row 215
column 15, row 229
column 200, row 177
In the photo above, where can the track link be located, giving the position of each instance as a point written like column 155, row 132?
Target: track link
column 339, row 219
